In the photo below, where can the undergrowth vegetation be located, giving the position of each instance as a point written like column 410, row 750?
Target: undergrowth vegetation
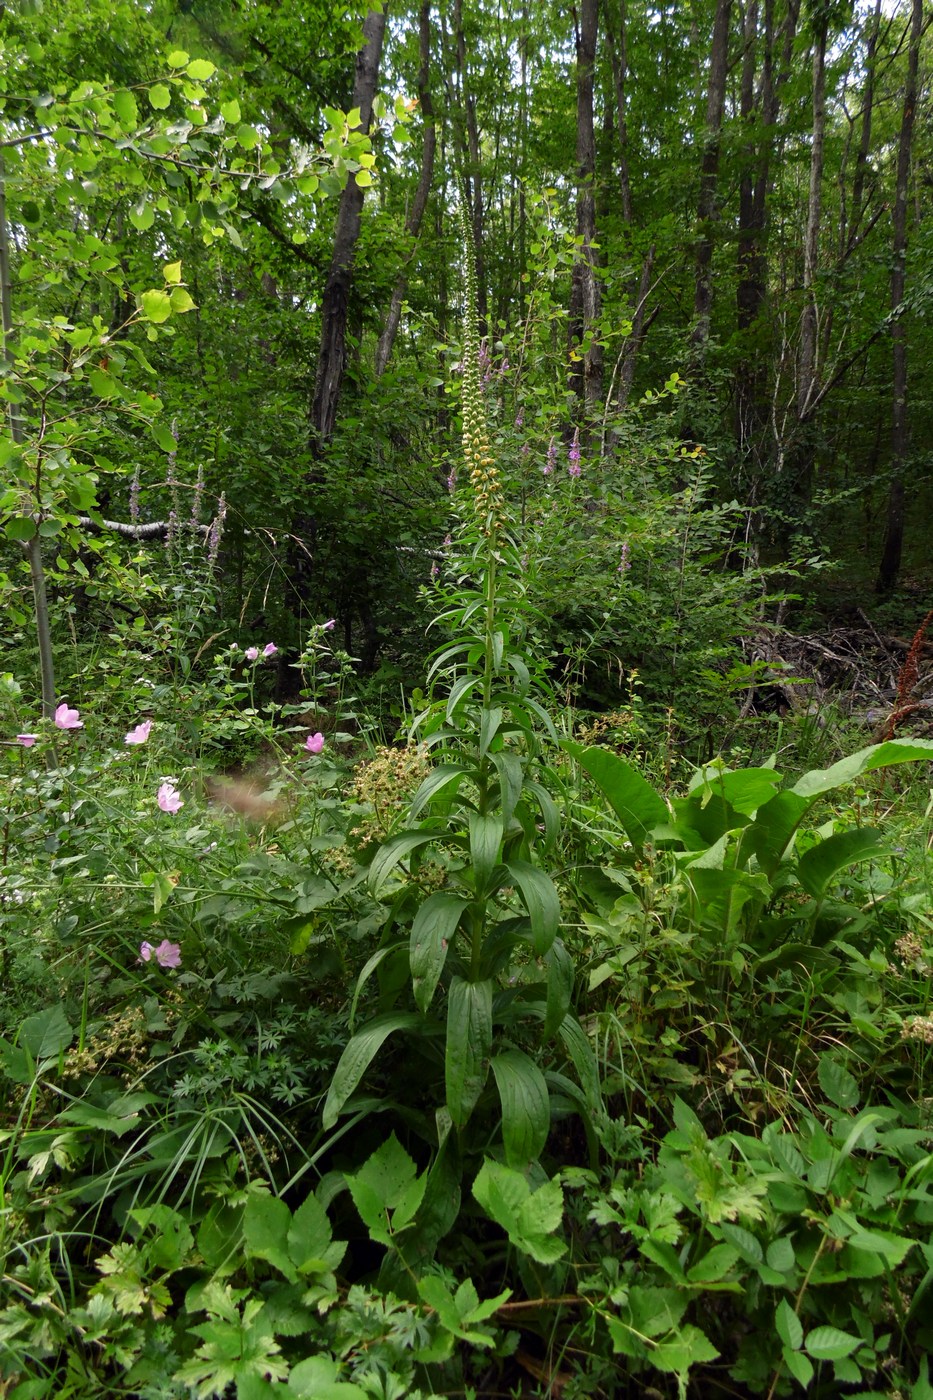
column 489, row 1048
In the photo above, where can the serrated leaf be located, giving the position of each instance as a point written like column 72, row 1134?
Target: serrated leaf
column 528, row 1218
column 685, row 1348
column 266, row 1222
column 800, row 1367
column 177, row 58
column 788, row 1325
column 744, row 1241
column 837, row 1083
column 714, row 1265
column 780, row 1255
column 310, row 1247
column 830, row 1344
column 159, row 97
column 172, row 272
column 248, row 137
column 230, row 111
column 200, row 69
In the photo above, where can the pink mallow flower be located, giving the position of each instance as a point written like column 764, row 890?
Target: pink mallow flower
column 166, row 955
column 314, row 743
column 140, row 734
column 329, row 625
column 251, row 653
column 67, row 719
column 168, row 799
column 269, row 649
column 27, row 740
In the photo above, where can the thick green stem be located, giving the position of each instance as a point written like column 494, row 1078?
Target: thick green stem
column 33, row 547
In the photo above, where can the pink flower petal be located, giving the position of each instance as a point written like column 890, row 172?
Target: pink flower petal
column 66, row 718
column 140, row 734
column 314, row 743
column 168, row 799
column 27, row 740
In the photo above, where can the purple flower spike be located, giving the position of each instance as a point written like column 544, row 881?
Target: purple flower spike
column 574, row 454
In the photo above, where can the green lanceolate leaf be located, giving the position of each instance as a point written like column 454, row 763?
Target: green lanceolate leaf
column 358, row 1055
column 865, row 761
column 443, row 780
column 432, row 932
column 818, row 866
column 773, row 829
column 526, row 1110
column 490, row 721
column 469, row 1040
column 485, row 840
column 639, row 808
column 584, row 1061
column 541, row 901
column 559, row 986
column 509, row 768
column 394, row 850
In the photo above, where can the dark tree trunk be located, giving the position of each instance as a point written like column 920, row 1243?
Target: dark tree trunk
column 472, row 166
column 709, row 174
column 618, row 56
column 807, row 372
column 419, row 203
column 890, row 566
column 752, row 406
column 332, row 357
column 587, row 374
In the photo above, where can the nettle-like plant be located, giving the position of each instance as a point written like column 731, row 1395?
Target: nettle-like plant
column 477, row 957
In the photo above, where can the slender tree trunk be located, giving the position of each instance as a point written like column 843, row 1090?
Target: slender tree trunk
column 709, row 174
column 419, row 203
column 587, row 374
column 639, row 327
column 332, row 357
column 33, row 547
column 890, row 566
column 807, row 373
column 473, row 167
column 618, row 57
column 861, row 160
